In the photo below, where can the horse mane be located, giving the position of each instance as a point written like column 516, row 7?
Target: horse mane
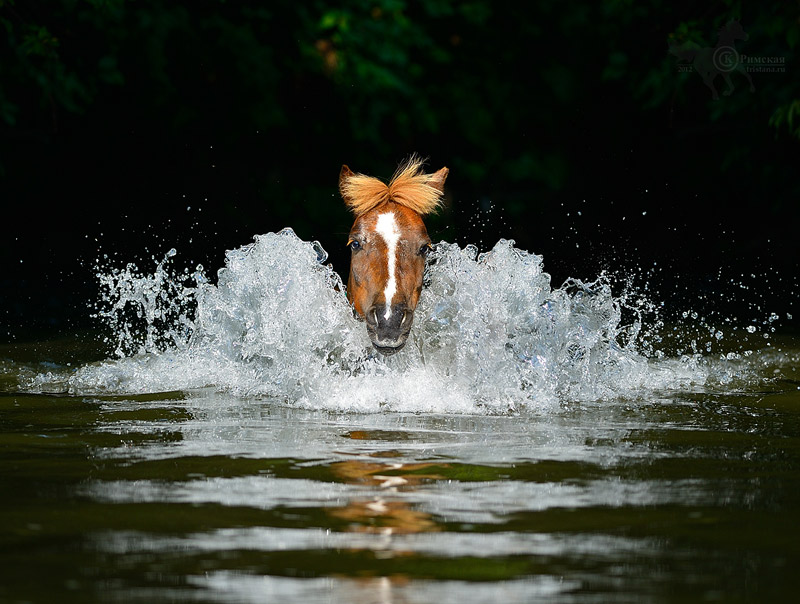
column 409, row 187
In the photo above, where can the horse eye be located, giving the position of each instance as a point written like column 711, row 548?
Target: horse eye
column 354, row 245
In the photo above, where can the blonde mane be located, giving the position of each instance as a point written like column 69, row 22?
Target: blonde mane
column 409, row 187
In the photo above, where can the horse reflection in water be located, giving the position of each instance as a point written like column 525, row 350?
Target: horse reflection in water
column 384, row 515
column 391, row 512
column 389, row 243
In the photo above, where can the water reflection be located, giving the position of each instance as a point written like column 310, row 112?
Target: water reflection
column 394, row 589
column 211, row 497
column 384, row 514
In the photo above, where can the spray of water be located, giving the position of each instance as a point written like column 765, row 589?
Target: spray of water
column 491, row 335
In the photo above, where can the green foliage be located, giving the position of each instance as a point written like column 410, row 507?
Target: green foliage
column 787, row 116
column 491, row 85
column 774, row 31
column 380, row 56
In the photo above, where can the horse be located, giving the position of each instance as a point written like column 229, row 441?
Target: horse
column 389, row 245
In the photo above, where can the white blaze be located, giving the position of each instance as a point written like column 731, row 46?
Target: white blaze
column 386, row 227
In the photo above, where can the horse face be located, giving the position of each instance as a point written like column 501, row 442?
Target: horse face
column 388, row 246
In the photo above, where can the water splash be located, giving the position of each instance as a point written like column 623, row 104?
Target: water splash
column 145, row 313
column 491, row 335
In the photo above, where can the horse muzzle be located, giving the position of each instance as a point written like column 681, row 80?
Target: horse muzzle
column 388, row 327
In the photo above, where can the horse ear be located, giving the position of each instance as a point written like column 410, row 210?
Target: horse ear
column 437, row 179
column 343, row 176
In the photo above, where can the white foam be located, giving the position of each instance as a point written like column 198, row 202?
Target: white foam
column 490, row 335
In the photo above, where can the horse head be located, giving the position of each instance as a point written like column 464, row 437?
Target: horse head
column 389, row 243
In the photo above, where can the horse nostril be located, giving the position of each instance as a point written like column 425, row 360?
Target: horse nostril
column 397, row 316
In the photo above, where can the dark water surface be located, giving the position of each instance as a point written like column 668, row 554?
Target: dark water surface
column 200, row 496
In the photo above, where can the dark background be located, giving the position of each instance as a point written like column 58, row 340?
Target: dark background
column 128, row 128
